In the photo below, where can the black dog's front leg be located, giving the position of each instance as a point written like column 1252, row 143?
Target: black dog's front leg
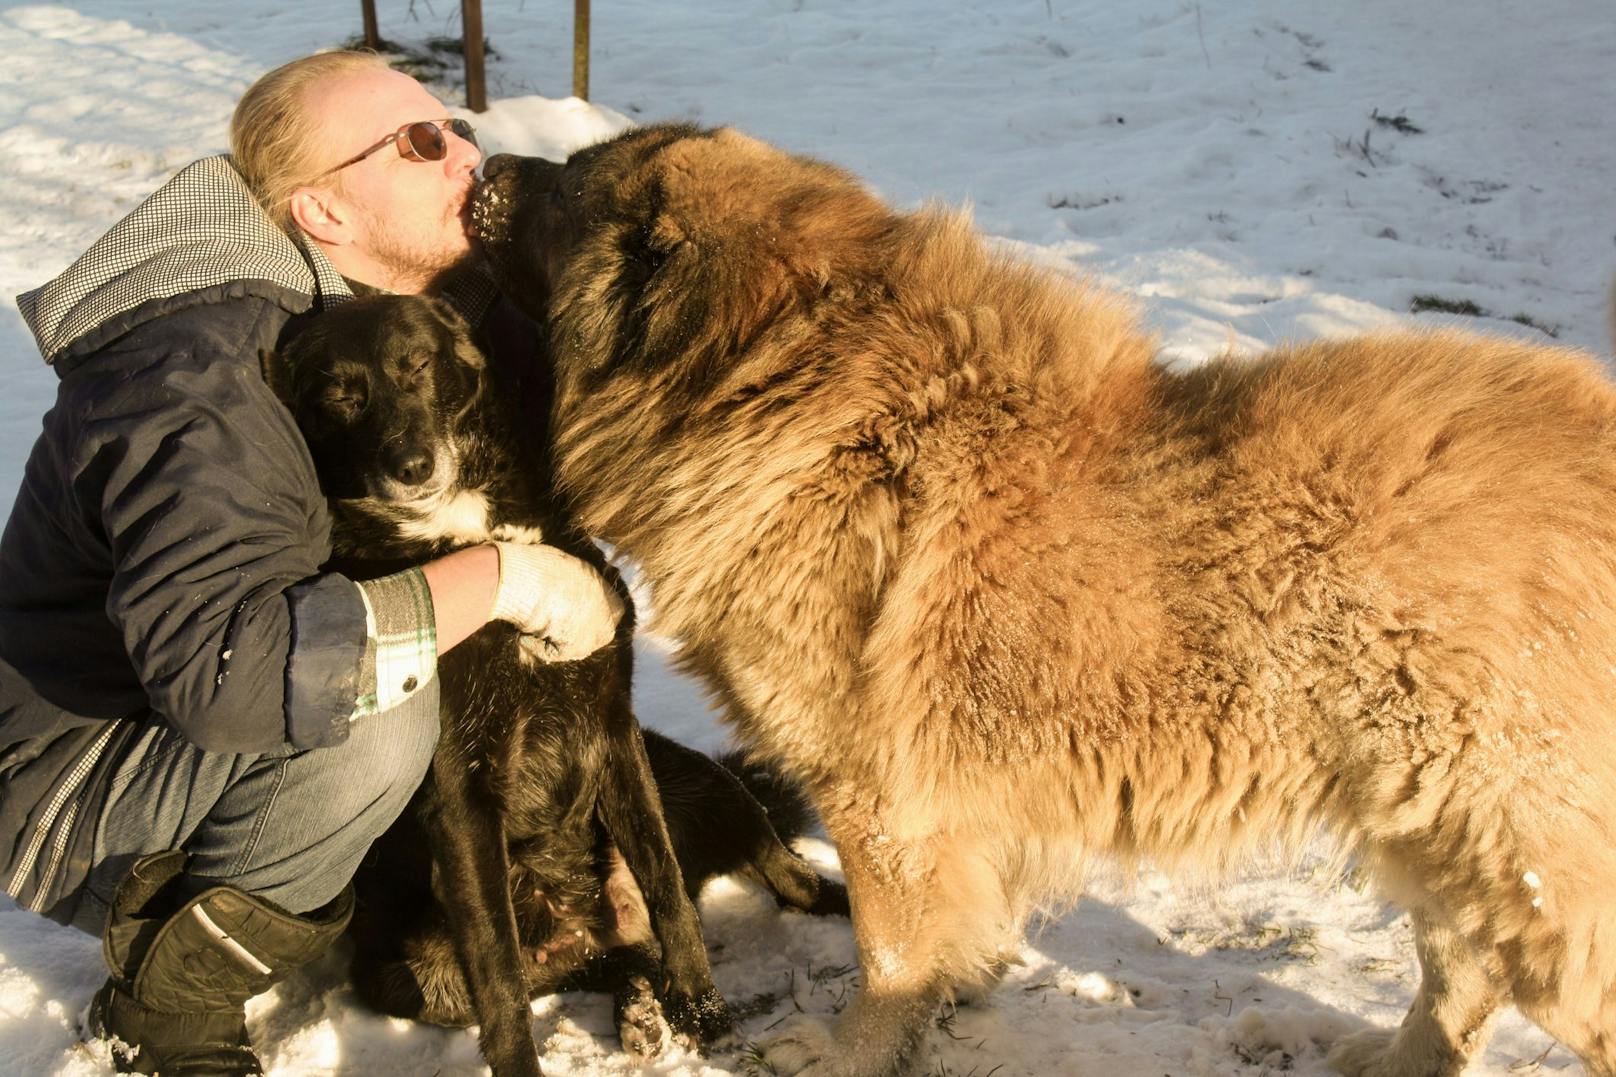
column 628, row 974
column 631, row 811
column 471, row 882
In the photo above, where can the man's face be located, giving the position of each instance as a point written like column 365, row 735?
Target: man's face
column 409, row 216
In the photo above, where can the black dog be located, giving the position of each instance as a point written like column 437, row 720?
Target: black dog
column 535, row 858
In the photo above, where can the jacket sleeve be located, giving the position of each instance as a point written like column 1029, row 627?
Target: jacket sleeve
column 217, row 529
column 401, row 653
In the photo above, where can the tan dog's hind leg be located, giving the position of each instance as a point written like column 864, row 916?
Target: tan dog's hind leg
column 1446, row 1026
column 1593, row 1043
column 1580, row 1012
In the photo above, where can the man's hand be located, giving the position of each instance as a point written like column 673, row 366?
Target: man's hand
column 547, row 593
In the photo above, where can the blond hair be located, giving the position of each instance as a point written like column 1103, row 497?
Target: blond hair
column 272, row 131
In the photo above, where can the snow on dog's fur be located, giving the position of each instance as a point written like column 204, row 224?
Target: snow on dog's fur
column 1009, row 596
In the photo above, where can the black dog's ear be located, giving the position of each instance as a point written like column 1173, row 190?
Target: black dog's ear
column 447, row 311
column 277, row 374
column 466, row 349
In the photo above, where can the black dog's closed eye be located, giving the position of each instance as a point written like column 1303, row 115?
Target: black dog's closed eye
column 417, row 367
column 344, row 400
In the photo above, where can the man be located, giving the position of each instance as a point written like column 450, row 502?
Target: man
column 200, row 731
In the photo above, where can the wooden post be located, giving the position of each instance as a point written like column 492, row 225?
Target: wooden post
column 373, row 37
column 471, row 22
column 580, row 49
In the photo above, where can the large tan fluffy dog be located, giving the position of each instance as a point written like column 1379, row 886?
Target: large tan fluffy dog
column 1009, row 596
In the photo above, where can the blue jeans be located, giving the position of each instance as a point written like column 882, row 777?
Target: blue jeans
column 288, row 826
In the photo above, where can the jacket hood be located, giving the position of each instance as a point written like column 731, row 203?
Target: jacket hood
column 200, row 232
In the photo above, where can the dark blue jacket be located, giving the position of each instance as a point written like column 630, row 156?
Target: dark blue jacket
column 165, row 547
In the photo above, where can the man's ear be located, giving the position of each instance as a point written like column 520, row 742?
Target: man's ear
column 322, row 215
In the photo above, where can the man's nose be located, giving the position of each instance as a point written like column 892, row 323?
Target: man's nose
column 463, row 153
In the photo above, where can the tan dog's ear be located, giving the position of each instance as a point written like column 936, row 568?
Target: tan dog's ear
column 706, row 300
column 706, row 275
column 740, row 233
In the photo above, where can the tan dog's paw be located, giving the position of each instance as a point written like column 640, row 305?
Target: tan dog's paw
column 804, row 1047
column 1365, row 1054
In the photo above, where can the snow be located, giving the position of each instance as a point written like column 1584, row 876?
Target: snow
column 1249, row 170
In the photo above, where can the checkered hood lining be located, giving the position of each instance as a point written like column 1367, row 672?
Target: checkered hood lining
column 201, row 229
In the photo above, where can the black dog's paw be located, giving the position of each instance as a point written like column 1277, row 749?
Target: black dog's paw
column 698, row 1021
column 639, row 1019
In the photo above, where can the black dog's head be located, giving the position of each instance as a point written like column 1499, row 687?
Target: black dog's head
column 378, row 386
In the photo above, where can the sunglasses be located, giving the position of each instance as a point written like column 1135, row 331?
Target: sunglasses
column 422, row 140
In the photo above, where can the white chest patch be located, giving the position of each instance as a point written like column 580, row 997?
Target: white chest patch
column 461, row 518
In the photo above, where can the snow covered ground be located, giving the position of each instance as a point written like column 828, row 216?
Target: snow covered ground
column 1253, row 170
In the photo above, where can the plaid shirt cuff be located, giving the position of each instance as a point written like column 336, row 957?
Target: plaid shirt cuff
column 401, row 645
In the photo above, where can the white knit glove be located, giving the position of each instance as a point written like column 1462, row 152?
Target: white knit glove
column 553, row 595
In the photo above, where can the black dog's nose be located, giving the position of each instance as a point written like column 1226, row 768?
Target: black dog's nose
column 497, row 164
column 538, row 171
column 411, row 467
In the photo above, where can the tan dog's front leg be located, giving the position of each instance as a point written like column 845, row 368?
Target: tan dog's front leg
column 892, row 885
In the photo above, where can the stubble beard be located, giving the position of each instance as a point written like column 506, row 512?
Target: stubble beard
column 414, row 266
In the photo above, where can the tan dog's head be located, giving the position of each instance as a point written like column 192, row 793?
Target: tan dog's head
column 671, row 245
column 685, row 276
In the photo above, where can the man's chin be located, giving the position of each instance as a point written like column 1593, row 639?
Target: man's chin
column 471, row 261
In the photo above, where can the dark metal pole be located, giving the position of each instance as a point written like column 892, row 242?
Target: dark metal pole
column 580, row 49
column 471, row 21
column 373, row 37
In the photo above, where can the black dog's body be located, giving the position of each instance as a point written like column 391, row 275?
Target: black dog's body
column 503, row 882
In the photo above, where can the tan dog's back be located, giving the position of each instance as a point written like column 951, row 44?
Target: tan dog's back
column 1371, row 583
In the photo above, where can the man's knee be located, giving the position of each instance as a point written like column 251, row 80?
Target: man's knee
column 327, row 806
column 361, row 785
column 392, row 750
column 291, row 828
